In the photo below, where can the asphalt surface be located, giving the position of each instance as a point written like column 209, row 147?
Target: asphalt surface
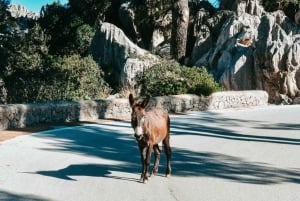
column 230, row 155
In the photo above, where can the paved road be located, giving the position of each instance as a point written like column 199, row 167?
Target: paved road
column 230, row 155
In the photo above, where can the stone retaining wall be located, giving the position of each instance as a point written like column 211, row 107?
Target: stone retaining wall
column 23, row 115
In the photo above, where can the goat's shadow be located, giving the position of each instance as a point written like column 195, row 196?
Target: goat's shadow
column 105, row 141
column 89, row 170
column 101, row 141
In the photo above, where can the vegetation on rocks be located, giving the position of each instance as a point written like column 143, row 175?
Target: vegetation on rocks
column 177, row 79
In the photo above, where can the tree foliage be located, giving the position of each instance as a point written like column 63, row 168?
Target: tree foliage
column 91, row 12
column 71, row 28
column 6, row 21
column 272, row 5
column 48, row 61
column 57, row 79
column 290, row 7
column 24, row 62
column 69, row 33
column 74, row 78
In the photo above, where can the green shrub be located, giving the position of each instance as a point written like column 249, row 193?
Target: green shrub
column 60, row 79
column 75, row 78
column 170, row 78
column 199, row 81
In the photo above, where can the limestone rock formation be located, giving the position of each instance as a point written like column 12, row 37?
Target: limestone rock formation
column 206, row 30
column 119, row 56
column 252, row 50
column 18, row 11
column 244, row 46
column 277, row 57
column 230, row 58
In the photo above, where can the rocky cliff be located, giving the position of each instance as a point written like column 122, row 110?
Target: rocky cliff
column 253, row 49
column 18, row 11
column 245, row 47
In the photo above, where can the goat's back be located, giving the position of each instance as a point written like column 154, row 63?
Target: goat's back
column 158, row 123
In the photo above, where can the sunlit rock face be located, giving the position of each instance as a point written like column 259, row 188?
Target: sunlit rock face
column 119, row 56
column 253, row 49
column 18, row 11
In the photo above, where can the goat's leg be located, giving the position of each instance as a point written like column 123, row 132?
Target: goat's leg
column 143, row 151
column 167, row 149
column 157, row 157
column 147, row 162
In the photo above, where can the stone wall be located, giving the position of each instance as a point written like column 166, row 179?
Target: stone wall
column 24, row 115
column 237, row 99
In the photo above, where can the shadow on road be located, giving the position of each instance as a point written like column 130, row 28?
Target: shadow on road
column 187, row 163
column 107, row 142
column 191, row 126
column 91, row 170
column 5, row 196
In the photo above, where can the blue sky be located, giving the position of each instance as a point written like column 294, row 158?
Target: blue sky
column 35, row 5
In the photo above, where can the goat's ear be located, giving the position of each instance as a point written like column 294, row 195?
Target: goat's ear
column 131, row 99
column 146, row 101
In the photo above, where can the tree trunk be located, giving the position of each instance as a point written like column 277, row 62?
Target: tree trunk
column 180, row 21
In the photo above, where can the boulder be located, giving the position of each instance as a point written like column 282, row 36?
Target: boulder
column 133, row 68
column 111, row 49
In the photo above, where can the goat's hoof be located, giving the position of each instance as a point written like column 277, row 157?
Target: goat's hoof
column 144, row 180
column 153, row 174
